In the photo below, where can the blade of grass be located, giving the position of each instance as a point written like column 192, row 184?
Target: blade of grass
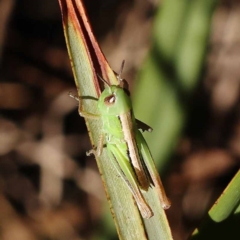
column 87, row 61
column 223, row 218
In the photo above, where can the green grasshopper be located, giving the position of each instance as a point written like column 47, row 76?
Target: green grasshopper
column 124, row 141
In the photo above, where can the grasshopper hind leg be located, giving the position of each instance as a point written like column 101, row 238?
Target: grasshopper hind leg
column 125, row 170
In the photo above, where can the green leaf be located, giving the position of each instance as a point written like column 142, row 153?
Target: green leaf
column 87, row 61
column 223, row 218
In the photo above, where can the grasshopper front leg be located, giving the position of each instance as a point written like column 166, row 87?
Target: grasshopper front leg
column 98, row 151
column 81, row 111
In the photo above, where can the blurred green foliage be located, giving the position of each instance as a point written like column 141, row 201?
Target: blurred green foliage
column 172, row 71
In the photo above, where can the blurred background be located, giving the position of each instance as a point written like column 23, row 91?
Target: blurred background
column 49, row 189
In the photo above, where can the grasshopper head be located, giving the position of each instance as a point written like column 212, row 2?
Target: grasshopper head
column 114, row 101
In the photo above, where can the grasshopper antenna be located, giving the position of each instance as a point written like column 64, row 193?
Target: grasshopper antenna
column 120, row 72
column 122, row 80
column 103, row 80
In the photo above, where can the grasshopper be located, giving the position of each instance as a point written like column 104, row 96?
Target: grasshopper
column 126, row 144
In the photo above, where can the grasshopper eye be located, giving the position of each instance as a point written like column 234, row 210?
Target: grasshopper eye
column 110, row 100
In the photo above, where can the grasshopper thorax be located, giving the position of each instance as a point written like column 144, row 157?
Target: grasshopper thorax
column 114, row 101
